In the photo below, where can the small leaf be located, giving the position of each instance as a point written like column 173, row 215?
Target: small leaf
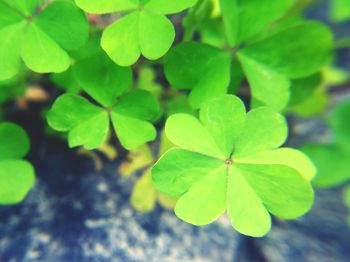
column 201, row 68
column 205, row 201
column 198, row 140
column 224, row 117
column 339, row 121
column 299, row 59
column 65, row 24
column 178, row 169
column 144, row 195
column 37, row 44
column 87, row 124
column 245, row 209
column 331, row 162
column 275, row 95
column 132, row 132
column 14, row 141
column 16, row 179
column 283, row 156
column 102, row 79
column 264, row 129
column 238, row 17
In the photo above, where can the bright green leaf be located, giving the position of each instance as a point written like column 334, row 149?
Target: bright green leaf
column 201, row 68
column 340, row 124
column 243, row 19
column 65, row 24
column 14, row 141
column 16, row 179
column 178, row 169
column 311, row 49
column 224, row 117
column 260, row 78
column 264, row 129
column 332, row 164
column 187, row 132
column 245, row 209
column 41, row 54
column 205, row 201
column 87, row 124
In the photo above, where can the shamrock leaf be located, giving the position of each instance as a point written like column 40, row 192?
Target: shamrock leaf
column 39, row 39
column 340, row 10
column 16, row 175
column 229, row 160
column 237, row 16
column 269, row 64
column 88, row 124
column 331, row 159
column 145, row 30
column 203, row 69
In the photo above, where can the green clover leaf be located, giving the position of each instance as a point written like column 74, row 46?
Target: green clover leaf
column 203, row 69
column 229, row 160
column 332, row 159
column 269, row 64
column 145, row 30
column 16, row 175
column 238, row 16
column 39, row 39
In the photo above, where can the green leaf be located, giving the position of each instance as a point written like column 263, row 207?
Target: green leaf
column 156, row 35
column 257, row 179
column 102, row 79
column 277, row 185
column 302, row 89
column 65, row 24
column 264, row 129
column 340, row 10
column 201, row 68
column 138, row 33
column 283, row 156
column 26, row 7
column 295, row 60
column 10, row 37
column 238, row 17
column 120, row 40
column 197, row 140
column 224, row 117
column 167, row 7
column 144, row 195
column 260, row 77
column 107, row 6
column 16, row 176
column 339, row 121
column 205, row 201
column 131, row 117
column 41, row 40
column 14, row 141
column 87, row 124
column 36, row 47
column 332, row 164
column 16, row 179
column 178, row 169
column 132, row 132
column 245, row 209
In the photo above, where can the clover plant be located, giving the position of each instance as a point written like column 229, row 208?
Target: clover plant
column 219, row 153
column 144, row 30
column 16, row 175
column 37, row 36
column 230, row 160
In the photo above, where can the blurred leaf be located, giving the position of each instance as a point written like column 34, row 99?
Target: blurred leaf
column 340, row 124
column 340, row 10
column 16, row 176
